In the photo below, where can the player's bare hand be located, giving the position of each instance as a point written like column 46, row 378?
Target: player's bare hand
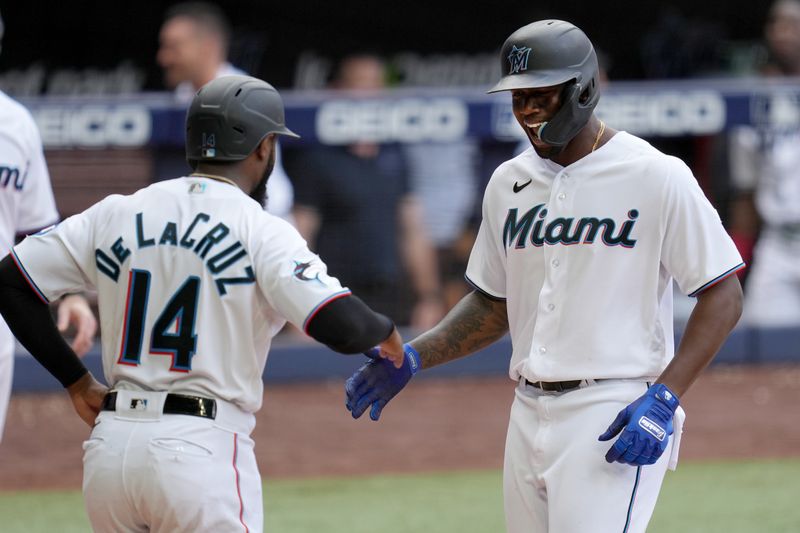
column 392, row 349
column 87, row 397
column 75, row 310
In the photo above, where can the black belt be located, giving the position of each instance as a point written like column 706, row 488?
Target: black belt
column 555, row 386
column 175, row 404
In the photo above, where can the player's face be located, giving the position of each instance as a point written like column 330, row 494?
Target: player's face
column 533, row 107
column 180, row 51
column 783, row 32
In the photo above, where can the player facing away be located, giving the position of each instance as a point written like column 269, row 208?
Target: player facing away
column 194, row 278
column 581, row 238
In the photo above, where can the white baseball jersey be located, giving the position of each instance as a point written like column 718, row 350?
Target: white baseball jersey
column 585, row 256
column 26, row 204
column 770, row 165
column 193, row 281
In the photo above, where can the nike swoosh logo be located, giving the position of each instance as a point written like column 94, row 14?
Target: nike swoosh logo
column 518, row 187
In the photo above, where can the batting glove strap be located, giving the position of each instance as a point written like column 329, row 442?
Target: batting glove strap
column 662, row 393
column 412, row 358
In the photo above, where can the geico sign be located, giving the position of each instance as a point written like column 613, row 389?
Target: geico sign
column 93, row 125
column 406, row 119
column 664, row 112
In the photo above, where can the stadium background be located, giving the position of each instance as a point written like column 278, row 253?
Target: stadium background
column 744, row 428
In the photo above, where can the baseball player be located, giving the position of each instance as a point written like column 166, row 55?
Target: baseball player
column 581, row 239
column 194, row 278
column 26, row 206
column 765, row 173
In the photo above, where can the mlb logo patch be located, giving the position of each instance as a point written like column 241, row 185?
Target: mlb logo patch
column 197, row 188
column 139, row 404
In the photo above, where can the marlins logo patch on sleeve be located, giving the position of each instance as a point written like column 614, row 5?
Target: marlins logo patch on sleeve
column 308, row 271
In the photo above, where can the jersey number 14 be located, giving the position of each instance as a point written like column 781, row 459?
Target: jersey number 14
column 173, row 331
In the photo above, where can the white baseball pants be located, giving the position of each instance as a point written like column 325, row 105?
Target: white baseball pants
column 145, row 471
column 556, row 478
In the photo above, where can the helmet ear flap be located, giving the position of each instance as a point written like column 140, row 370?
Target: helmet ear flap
column 571, row 117
column 586, row 95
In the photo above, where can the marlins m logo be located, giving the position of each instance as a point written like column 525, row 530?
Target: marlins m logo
column 518, row 59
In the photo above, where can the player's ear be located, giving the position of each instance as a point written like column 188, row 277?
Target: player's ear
column 266, row 146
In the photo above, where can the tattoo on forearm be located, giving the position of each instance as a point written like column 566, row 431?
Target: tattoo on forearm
column 474, row 323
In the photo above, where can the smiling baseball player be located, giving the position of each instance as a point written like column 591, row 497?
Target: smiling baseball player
column 194, row 279
column 582, row 237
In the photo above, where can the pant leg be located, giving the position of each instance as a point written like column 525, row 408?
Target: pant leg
column 524, row 494
column 176, row 474
column 6, row 372
column 108, row 502
column 585, row 493
column 200, row 478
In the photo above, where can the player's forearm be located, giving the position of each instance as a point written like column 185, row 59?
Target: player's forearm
column 716, row 313
column 30, row 321
column 474, row 323
column 349, row 326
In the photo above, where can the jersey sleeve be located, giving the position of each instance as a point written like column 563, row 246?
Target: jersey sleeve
column 293, row 279
column 38, row 206
column 61, row 260
column 696, row 251
column 486, row 269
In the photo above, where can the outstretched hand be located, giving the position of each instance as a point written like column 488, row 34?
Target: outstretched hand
column 378, row 381
column 646, row 425
column 391, row 348
column 87, row 397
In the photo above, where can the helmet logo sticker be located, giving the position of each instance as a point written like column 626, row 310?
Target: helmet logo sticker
column 209, row 145
column 518, row 59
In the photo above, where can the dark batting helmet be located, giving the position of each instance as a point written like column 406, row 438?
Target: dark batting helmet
column 547, row 53
column 230, row 116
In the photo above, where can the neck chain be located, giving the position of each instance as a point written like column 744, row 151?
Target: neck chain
column 213, row 177
column 599, row 135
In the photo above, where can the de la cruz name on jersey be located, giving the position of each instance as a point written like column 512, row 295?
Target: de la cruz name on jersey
column 532, row 227
column 194, row 238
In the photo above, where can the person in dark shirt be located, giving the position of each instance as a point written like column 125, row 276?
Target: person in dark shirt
column 353, row 204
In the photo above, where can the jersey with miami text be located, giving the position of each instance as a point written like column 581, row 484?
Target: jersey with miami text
column 585, row 257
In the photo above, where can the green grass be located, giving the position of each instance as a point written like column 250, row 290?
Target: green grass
column 723, row 497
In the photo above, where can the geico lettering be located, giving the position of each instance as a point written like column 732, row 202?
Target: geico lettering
column 93, row 126
column 406, row 119
column 665, row 112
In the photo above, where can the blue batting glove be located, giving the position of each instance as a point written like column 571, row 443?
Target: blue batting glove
column 646, row 425
column 378, row 381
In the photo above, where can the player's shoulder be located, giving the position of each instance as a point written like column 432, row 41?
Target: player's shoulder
column 653, row 162
column 15, row 116
column 522, row 163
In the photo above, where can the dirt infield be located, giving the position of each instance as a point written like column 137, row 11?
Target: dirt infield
column 304, row 430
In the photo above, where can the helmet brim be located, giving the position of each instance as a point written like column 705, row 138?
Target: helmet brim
column 534, row 80
column 286, row 132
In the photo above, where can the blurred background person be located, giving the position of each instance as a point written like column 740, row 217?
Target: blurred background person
column 193, row 50
column 27, row 205
column 765, row 172
column 354, row 206
column 444, row 177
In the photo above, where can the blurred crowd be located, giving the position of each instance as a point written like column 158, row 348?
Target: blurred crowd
column 396, row 222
